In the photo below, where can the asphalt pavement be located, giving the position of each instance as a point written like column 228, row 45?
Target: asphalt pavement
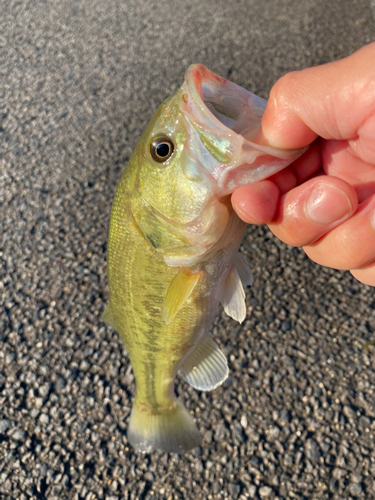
column 79, row 81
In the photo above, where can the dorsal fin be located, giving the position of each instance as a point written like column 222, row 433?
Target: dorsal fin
column 206, row 367
column 108, row 317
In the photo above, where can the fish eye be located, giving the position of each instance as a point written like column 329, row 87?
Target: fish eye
column 161, row 149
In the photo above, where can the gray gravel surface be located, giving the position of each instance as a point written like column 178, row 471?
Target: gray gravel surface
column 79, row 81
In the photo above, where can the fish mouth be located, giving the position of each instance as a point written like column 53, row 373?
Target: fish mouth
column 233, row 106
column 227, row 118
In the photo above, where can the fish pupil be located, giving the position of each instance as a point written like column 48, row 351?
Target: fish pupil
column 163, row 150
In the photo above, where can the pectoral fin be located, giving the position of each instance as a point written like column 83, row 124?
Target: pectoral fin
column 179, row 291
column 233, row 299
column 206, row 367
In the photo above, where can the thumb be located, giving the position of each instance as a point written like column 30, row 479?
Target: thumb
column 331, row 101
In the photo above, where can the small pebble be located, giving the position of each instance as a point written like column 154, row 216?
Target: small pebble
column 4, row 425
column 265, row 491
column 355, row 489
column 19, row 434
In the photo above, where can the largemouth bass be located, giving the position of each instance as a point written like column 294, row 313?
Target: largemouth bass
column 173, row 247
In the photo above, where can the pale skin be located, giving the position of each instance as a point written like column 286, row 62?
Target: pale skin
column 325, row 201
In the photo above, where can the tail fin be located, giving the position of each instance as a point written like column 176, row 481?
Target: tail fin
column 172, row 430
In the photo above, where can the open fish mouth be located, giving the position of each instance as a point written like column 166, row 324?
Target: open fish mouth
column 233, row 106
column 227, row 118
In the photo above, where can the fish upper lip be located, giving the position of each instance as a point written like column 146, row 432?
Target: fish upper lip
column 194, row 78
column 222, row 104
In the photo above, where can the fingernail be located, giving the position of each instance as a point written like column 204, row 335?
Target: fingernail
column 326, row 204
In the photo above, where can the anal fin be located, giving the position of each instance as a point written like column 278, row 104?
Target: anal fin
column 206, row 367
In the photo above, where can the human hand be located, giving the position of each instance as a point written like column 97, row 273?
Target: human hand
column 324, row 201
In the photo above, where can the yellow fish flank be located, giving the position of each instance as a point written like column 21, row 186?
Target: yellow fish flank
column 173, row 247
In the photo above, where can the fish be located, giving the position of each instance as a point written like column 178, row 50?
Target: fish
column 173, row 247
